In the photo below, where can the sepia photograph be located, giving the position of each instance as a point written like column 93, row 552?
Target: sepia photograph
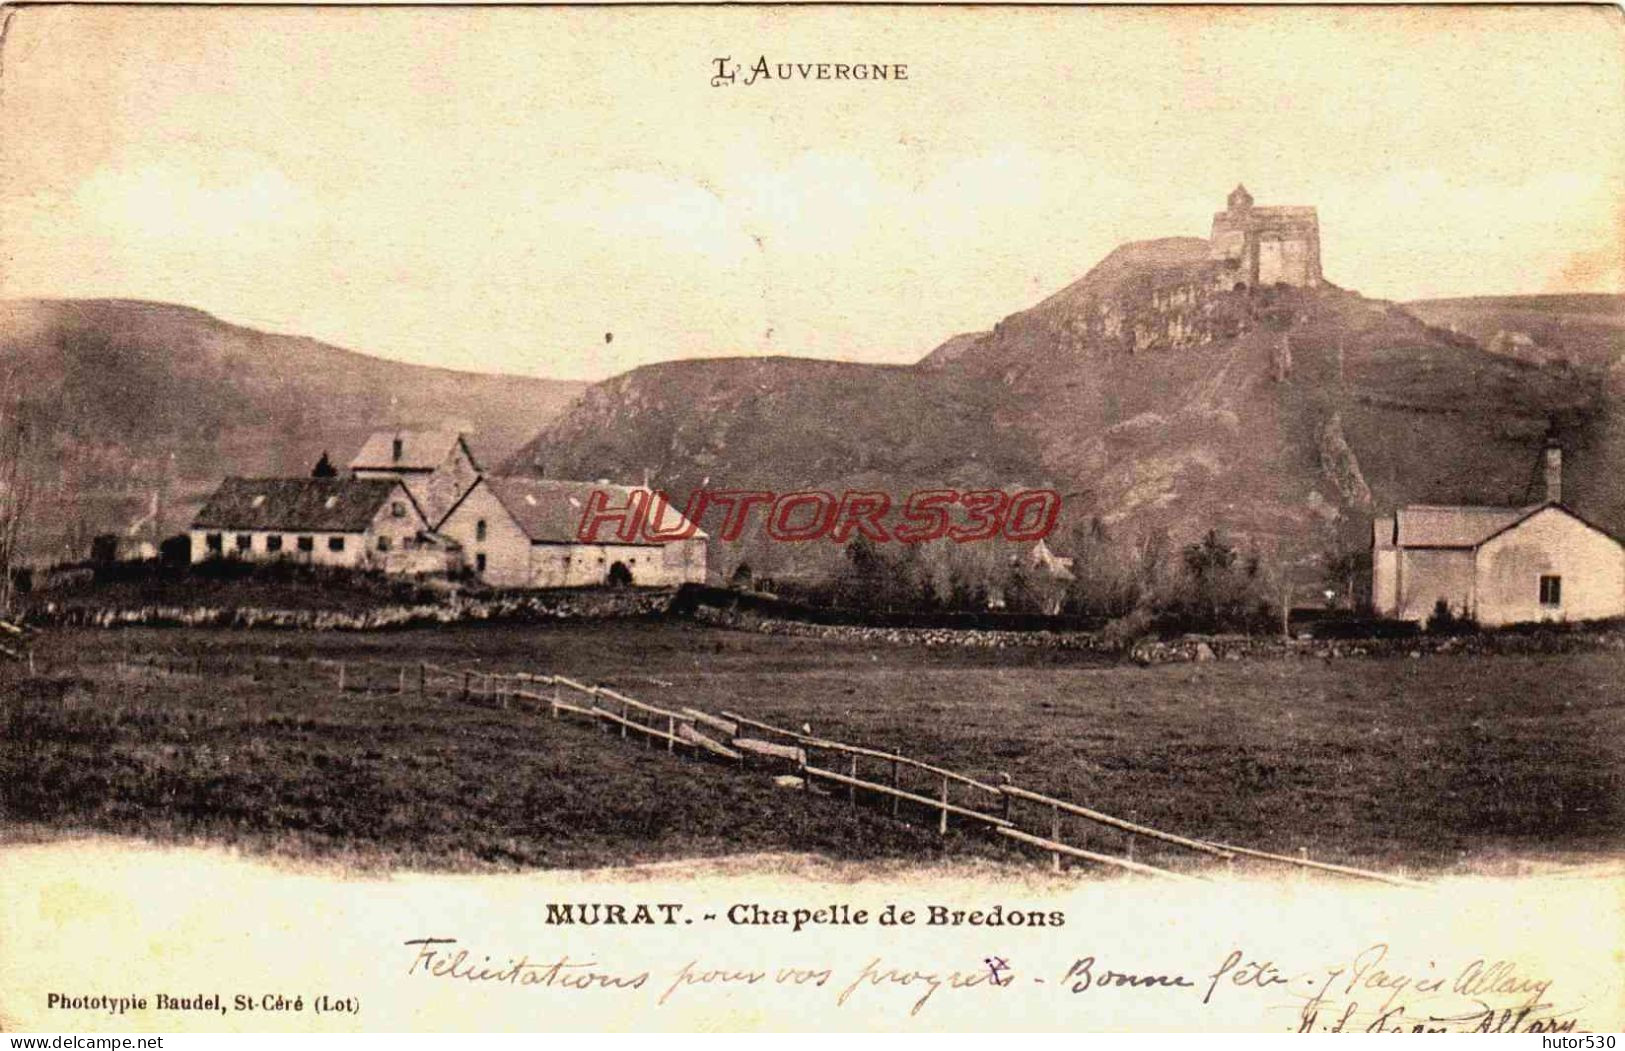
column 812, row 517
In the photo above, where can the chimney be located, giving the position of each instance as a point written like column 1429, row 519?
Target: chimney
column 1554, row 473
column 396, row 450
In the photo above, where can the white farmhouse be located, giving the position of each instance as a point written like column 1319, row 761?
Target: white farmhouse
column 1497, row 565
column 524, row 533
column 354, row 522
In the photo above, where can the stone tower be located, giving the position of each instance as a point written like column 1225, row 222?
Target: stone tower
column 1276, row 244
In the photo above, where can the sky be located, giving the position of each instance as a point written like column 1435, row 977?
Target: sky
column 562, row 192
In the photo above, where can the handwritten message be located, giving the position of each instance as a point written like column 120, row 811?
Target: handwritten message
column 1363, row 992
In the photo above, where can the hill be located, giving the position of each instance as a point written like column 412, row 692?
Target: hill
column 1579, row 329
column 1179, row 401
column 129, row 399
column 783, row 424
column 1155, row 395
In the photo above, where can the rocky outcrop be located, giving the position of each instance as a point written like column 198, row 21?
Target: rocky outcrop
column 1340, row 466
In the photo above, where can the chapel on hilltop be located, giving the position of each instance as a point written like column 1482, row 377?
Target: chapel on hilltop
column 1277, row 244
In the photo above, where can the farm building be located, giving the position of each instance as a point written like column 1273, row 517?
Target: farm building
column 437, row 467
column 1497, row 565
column 524, row 532
column 361, row 523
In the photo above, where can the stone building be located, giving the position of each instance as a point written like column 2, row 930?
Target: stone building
column 437, row 467
column 353, row 522
column 1497, row 565
column 524, row 533
column 1269, row 245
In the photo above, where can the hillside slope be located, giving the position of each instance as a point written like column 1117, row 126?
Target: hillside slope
column 1586, row 329
column 1154, row 394
column 1177, row 401
column 129, row 398
column 781, row 424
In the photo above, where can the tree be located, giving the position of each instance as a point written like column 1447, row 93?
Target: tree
column 1220, row 589
column 324, row 468
column 867, row 578
column 17, row 491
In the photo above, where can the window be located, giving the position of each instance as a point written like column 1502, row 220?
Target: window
column 245, row 542
column 335, row 543
column 273, row 542
column 307, row 543
column 397, row 509
column 479, row 562
column 1551, row 591
column 479, row 530
column 215, row 542
column 383, row 543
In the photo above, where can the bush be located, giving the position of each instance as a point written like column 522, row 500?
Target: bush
column 1125, row 631
column 1444, row 621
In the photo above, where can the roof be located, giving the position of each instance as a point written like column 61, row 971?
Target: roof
column 549, row 511
column 420, row 450
column 317, row 505
column 1426, row 525
column 1284, row 211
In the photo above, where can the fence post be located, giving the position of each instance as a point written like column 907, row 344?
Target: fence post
column 942, row 825
column 1055, row 835
column 465, row 685
column 555, row 704
column 1132, row 815
column 423, row 680
column 896, row 782
column 671, row 733
column 852, row 790
column 1004, row 779
column 341, row 676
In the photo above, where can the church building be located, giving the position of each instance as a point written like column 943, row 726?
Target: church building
column 1267, row 245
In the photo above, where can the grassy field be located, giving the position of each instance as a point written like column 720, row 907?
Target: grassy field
column 1439, row 763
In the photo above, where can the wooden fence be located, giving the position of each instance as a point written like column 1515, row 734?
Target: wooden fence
column 905, row 786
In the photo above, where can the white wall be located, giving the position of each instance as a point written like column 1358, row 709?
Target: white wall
column 360, row 548
column 355, row 546
column 584, row 565
column 1550, row 543
column 1426, row 575
column 505, row 547
column 1384, row 581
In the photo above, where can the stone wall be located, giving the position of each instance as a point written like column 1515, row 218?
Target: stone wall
column 575, row 604
column 1186, row 649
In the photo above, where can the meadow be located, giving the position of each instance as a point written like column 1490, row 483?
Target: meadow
column 1443, row 763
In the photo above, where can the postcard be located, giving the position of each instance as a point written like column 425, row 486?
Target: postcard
column 835, row 517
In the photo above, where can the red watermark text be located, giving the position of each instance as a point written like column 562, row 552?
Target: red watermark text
column 648, row 516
